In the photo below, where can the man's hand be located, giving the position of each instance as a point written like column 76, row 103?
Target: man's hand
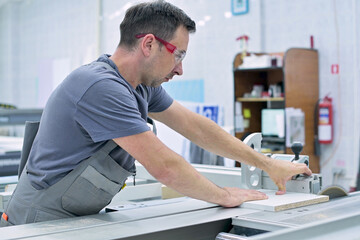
column 237, row 196
column 281, row 171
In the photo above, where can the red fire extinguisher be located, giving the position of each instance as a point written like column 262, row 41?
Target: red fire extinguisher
column 325, row 123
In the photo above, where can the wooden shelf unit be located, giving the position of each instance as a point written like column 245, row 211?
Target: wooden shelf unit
column 272, row 99
column 299, row 78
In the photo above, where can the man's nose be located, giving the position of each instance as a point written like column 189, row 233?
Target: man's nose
column 178, row 70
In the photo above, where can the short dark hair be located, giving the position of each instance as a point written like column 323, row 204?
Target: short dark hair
column 158, row 17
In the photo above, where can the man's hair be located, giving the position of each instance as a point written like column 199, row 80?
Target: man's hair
column 159, row 18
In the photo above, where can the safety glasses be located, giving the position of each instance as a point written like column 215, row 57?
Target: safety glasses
column 179, row 55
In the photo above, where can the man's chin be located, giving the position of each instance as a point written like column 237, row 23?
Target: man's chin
column 156, row 83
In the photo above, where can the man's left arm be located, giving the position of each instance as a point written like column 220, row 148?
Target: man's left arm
column 208, row 135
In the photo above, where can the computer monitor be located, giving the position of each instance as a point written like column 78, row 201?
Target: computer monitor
column 273, row 123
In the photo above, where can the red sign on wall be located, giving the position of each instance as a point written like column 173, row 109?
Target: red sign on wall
column 335, row 68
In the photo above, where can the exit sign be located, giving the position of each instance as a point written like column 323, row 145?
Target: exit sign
column 335, row 68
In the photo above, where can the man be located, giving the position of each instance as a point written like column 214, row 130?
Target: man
column 94, row 126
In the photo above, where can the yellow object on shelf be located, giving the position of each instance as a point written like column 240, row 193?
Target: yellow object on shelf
column 247, row 113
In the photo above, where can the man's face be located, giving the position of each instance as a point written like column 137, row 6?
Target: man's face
column 166, row 64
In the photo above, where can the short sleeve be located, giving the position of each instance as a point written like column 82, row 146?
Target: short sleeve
column 159, row 99
column 109, row 110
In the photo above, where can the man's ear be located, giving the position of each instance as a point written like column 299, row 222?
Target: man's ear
column 147, row 44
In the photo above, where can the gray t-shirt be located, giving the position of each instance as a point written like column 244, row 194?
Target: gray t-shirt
column 91, row 106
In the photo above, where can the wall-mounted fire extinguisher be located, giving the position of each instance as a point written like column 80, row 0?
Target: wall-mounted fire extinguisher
column 325, row 121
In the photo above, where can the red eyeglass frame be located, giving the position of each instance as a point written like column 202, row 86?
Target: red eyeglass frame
column 171, row 48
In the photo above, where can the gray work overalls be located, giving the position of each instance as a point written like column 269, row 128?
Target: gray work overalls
column 85, row 190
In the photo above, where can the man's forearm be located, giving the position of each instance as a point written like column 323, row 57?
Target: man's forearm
column 182, row 177
column 172, row 170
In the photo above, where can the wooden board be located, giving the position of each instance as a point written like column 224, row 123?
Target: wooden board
column 289, row 200
column 167, row 193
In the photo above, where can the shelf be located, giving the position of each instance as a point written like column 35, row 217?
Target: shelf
column 257, row 69
column 272, row 152
column 299, row 81
column 277, row 99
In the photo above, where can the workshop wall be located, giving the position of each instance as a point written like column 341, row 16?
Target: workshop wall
column 8, row 43
column 41, row 41
column 44, row 40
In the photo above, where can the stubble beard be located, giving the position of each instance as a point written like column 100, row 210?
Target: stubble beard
column 156, row 83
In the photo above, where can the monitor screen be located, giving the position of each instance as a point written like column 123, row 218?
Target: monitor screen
column 273, row 122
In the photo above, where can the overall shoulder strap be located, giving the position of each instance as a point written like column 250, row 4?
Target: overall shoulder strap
column 31, row 129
